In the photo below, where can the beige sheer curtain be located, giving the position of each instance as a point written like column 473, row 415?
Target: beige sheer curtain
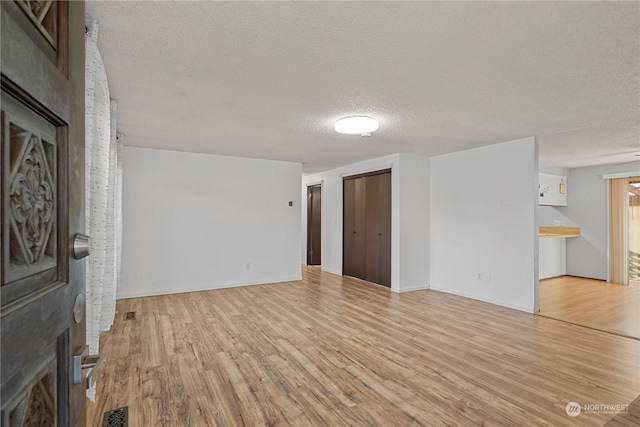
column 618, row 220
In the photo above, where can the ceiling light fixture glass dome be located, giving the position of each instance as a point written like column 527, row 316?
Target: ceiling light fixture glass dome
column 356, row 125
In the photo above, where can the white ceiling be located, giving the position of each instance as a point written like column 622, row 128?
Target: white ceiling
column 268, row 79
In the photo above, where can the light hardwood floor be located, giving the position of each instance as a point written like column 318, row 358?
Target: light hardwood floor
column 329, row 351
column 628, row 417
column 593, row 303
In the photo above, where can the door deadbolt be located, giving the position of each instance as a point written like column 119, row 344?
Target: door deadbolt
column 80, row 246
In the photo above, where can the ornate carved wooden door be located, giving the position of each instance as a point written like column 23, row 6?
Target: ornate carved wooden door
column 42, row 182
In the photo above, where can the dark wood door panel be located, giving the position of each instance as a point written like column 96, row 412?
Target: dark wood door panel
column 31, row 65
column 27, row 365
column 372, row 214
column 33, row 202
column 348, row 227
column 34, row 269
column 384, row 230
column 360, row 230
column 314, row 225
column 43, row 14
column 354, row 227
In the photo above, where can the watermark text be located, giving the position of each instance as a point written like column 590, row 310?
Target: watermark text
column 573, row 409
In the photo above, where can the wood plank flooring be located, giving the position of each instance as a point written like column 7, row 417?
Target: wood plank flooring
column 328, row 351
column 627, row 417
column 593, row 303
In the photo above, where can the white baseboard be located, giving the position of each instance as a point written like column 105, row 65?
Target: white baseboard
column 477, row 298
column 146, row 293
column 414, row 288
column 327, row 270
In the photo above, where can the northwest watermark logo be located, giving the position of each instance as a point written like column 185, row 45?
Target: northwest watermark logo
column 573, row 409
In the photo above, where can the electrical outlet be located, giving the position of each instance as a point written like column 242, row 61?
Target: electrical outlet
column 479, row 276
column 557, row 222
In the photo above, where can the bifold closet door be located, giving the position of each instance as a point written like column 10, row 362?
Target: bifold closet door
column 354, row 228
column 367, row 228
column 378, row 229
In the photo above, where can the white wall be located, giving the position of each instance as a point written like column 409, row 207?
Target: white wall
column 548, row 214
column 198, row 221
column 414, row 202
column 409, row 217
column 484, row 208
column 587, row 256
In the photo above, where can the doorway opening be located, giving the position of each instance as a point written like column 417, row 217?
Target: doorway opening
column 314, row 225
column 607, row 306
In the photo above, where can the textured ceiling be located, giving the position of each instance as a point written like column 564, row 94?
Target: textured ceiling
column 268, row 79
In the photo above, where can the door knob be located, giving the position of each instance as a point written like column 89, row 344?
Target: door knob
column 92, row 364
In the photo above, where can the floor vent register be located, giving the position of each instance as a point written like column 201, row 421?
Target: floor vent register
column 116, row 417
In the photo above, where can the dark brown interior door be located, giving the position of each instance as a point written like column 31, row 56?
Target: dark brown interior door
column 42, row 181
column 353, row 253
column 314, row 227
column 378, row 220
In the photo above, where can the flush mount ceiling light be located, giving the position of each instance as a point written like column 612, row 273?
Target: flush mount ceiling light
column 356, row 125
